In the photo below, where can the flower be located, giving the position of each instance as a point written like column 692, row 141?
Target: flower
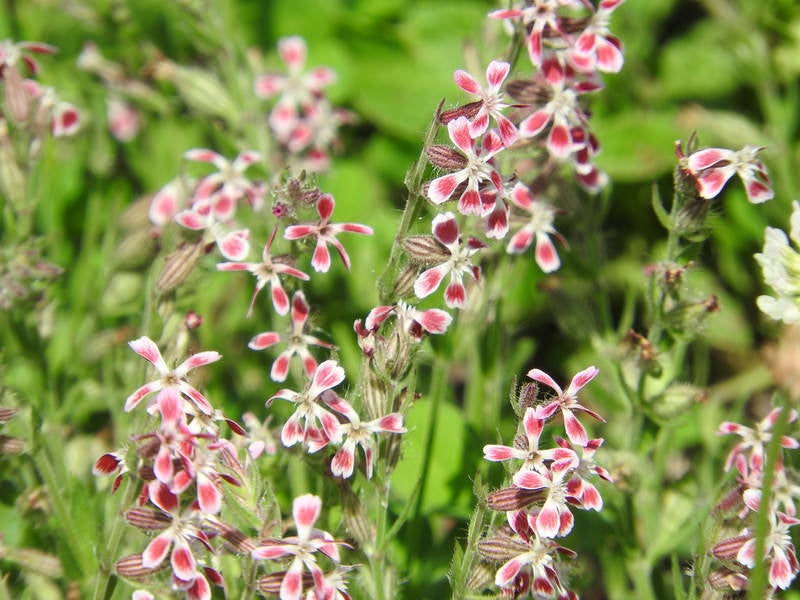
column 780, row 265
column 327, row 375
column 533, row 458
column 566, row 402
column 297, row 340
column 713, row 167
column 554, row 517
column 595, row 48
column 296, row 89
column 13, row 52
column 356, row 433
column 538, row 227
column 219, row 191
column 267, row 271
column 536, row 15
column 303, row 547
column 172, row 386
column 326, row 233
column 562, row 109
column 445, row 230
column 491, row 101
column 409, row 319
column 755, row 440
column 474, row 167
column 779, row 551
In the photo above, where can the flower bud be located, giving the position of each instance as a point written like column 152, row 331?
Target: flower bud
column 425, row 249
column 131, row 567
column 446, row 157
column 178, row 266
column 201, row 90
column 514, row 498
column 501, row 547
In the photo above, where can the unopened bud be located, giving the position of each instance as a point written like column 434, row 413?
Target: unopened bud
column 357, row 520
column 201, row 90
column 446, row 157
column 18, row 98
column 135, row 250
column 527, row 91
column 425, row 249
column 149, row 519
column 481, row 577
column 728, row 549
column 178, row 266
column 514, row 498
column 501, row 547
column 6, row 414
column 677, row 399
column 12, row 180
column 33, row 560
column 467, row 110
column 375, row 394
column 131, row 567
column 726, row 579
column 11, row 445
column 404, row 284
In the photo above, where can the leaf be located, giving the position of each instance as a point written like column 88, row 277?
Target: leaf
column 637, row 145
column 444, row 488
column 701, row 64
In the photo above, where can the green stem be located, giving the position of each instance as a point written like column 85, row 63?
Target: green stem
column 413, row 181
column 105, row 573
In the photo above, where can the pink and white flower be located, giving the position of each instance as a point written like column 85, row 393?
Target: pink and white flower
column 302, row 424
column 302, row 547
column 358, row 433
column 477, row 168
column 295, row 90
column 172, row 390
column 596, row 48
column 533, row 458
column 268, row 271
column 755, row 440
column 538, row 228
column 326, row 233
column 492, row 101
column 567, row 402
column 445, row 230
column 298, row 342
column 713, row 167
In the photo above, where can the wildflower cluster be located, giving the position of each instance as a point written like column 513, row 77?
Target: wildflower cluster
column 302, row 120
column 180, row 466
column 540, row 126
column 742, row 506
column 546, row 482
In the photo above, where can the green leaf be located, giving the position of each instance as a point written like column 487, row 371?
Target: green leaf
column 637, row 145
column 444, row 488
column 701, row 64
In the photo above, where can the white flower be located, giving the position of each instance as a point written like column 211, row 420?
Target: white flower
column 780, row 265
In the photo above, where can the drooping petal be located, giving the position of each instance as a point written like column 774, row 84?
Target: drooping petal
column 546, row 254
column 209, row 496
